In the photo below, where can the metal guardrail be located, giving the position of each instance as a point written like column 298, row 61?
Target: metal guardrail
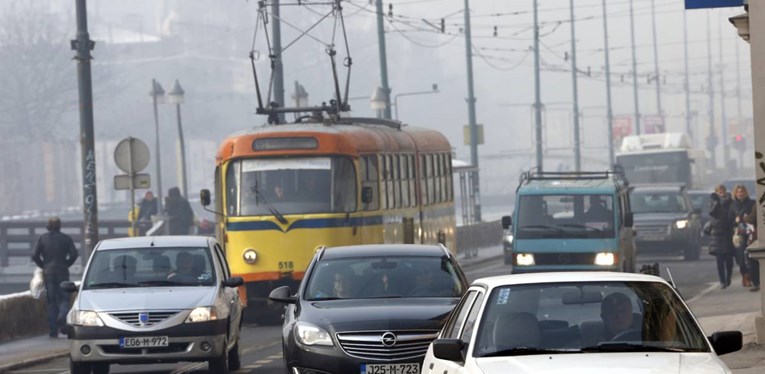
column 18, row 238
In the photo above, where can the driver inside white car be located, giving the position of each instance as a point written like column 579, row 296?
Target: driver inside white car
column 616, row 312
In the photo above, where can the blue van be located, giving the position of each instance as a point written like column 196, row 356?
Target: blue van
column 570, row 221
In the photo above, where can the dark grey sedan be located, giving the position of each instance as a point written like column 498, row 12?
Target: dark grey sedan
column 369, row 309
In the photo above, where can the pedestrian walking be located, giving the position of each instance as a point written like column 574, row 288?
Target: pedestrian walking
column 55, row 253
column 720, row 233
column 146, row 209
column 741, row 213
column 179, row 213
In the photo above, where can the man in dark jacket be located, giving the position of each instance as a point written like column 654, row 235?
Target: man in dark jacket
column 55, row 253
column 720, row 232
column 179, row 212
column 146, row 209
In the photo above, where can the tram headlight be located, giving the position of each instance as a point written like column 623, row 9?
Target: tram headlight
column 250, row 256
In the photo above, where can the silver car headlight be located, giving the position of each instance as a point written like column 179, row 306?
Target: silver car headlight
column 202, row 314
column 681, row 224
column 310, row 334
column 84, row 318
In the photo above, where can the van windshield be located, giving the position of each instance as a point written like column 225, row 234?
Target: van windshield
column 566, row 216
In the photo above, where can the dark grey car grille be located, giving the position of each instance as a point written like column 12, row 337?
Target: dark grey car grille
column 652, row 228
column 369, row 345
column 132, row 318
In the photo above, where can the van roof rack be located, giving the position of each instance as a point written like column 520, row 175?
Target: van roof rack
column 617, row 173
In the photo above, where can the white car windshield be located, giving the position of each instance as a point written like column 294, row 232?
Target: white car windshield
column 586, row 317
column 150, row 267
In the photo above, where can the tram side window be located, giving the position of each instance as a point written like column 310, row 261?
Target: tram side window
column 423, row 181
column 232, row 189
column 389, row 183
column 404, row 161
column 344, row 185
column 370, row 179
column 412, row 181
column 449, row 178
column 396, row 181
column 431, row 180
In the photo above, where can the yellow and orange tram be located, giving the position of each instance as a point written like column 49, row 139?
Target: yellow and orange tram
column 284, row 190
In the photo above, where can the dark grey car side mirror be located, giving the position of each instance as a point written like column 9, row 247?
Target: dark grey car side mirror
column 282, row 295
column 726, row 341
column 233, row 282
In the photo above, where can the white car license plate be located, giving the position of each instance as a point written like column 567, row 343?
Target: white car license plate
column 651, row 237
column 390, row 368
column 144, row 342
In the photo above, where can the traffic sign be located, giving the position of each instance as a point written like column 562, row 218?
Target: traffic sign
column 122, row 182
column 704, row 4
column 131, row 155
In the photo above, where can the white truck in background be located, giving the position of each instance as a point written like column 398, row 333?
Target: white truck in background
column 662, row 158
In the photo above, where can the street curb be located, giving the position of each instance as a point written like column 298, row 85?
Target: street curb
column 52, row 355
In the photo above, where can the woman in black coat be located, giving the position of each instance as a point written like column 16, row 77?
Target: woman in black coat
column 720, row 232
column 742, row 212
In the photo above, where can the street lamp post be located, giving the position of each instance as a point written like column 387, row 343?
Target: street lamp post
column 434, row 90
column 379, row 102
column 158, row 96
column 176, row 96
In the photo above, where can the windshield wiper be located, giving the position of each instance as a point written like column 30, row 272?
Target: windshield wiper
column 526, row 351
column 162, row 283
column 112, row 285
column 270, row 207
column 543, row 227
column 580, row 226
column 634, row 347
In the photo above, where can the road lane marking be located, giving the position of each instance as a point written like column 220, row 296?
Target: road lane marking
column 269, row 345
column 712, row 286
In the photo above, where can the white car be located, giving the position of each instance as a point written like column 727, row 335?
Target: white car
column 575, row 322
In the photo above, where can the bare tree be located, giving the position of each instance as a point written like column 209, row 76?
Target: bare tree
column 36, row 71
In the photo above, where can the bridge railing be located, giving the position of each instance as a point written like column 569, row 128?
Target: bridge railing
column 18, row 238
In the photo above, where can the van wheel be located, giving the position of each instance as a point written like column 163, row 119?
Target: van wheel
column 79, row 367
column 220, row 363
column 101, row 368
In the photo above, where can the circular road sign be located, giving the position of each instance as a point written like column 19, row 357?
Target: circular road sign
column 131, row 155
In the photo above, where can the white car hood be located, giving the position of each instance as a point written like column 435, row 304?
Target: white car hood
column 146, row 298
column 606, row 363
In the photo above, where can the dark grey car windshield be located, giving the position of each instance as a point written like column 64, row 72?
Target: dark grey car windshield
column 383, row 277
column 587, row 317
column 657, row 202
column 150, row 267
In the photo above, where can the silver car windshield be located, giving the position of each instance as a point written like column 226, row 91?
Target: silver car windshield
column 150, row 267
column 383, row 277
column 587, row 317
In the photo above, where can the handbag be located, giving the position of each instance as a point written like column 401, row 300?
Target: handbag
column 707, row 229
column 37, row 284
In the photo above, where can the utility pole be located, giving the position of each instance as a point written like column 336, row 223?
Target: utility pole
column 83, row 45
column 724, row 122
column 712, row 138
column 472, row 116
column 276, row 29
column 687, row 85
column 383, row 58
column 609, row 110
column 634, row 71
column 537, row 91
column 656, row 65
column 577, row 141
column 740, row 118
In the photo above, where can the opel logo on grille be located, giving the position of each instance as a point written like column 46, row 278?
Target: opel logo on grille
column 388, row 339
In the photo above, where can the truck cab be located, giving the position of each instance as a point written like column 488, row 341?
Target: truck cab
column 570, row 221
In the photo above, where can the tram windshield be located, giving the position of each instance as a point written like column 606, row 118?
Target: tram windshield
column 290, row 186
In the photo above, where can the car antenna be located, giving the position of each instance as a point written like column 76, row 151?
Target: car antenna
column 671, row 281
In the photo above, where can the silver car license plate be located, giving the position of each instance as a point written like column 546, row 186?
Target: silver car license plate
column 390, row 368
column 143, row 342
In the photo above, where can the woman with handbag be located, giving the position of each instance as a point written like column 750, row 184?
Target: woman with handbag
column 742, row 212
column 719, row 232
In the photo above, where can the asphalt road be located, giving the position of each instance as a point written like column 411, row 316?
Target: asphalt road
column 261, row 345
